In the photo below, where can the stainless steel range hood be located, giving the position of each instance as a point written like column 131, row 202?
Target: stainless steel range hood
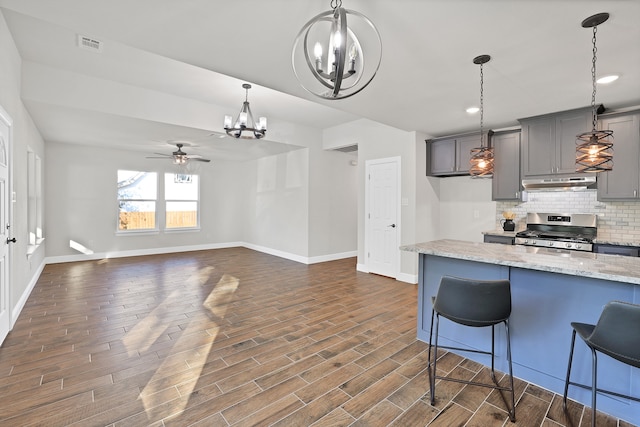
column 574, row 183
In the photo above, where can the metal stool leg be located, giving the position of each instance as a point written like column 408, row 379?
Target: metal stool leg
column 594, row 380
column 431, row 364
column 566, row 382
column 512, row 412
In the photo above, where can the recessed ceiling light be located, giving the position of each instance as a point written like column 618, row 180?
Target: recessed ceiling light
column 473, row 110
column 607, row 79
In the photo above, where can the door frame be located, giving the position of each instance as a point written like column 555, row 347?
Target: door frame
column 6, row 119
column 367, row 209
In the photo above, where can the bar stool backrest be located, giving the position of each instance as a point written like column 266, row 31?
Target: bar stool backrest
column 473, row 302
column 617, row 332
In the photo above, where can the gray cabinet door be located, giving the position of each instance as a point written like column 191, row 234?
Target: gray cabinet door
column 568, row 127
column 623, row 181
column 443, row 157
column 506, row 166
column 463, row 152
column 549, row 142
column 538, row 146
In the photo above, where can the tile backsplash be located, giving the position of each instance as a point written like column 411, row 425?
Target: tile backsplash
column 619, row 221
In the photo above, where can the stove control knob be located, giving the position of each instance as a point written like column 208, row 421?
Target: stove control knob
column 551, row 244
column 578, row 245
column 568, row 245
column 526, row 241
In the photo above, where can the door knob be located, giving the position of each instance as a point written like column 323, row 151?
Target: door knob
column 392, row 226
column 11, row 240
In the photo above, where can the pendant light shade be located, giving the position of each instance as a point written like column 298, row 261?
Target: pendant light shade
column 594, row 149
column 481, row 162
column 337, row 53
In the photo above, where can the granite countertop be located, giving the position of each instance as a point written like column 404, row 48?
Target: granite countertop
column 576, row 263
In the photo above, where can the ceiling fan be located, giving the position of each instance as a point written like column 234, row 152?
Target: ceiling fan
column 180, row 157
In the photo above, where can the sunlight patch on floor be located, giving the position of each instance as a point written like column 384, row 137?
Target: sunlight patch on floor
column 217, row 302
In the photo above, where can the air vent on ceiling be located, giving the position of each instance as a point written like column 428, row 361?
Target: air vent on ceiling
column 348, row 148
column 89, row 43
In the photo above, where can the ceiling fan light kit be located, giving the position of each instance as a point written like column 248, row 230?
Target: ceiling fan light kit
column 333, row 59
column 245, row 126
column 594, row 149
column 179, row 157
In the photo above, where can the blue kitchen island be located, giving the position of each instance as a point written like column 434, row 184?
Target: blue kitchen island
column 550, row 289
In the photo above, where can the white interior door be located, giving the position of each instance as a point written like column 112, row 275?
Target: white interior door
column 5, row 200
column 384, row 228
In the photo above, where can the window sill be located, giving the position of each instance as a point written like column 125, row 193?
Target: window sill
column 137, row 232
column 182, row 230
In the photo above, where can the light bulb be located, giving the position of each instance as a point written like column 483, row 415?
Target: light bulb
column 317, row 50
column 337, row 40
column 227, row 122
column 353, row 52
column 242, row 119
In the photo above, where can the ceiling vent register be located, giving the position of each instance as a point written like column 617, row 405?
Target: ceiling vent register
column 88, row 43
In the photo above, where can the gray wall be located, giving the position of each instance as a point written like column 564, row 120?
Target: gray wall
column 24, row 270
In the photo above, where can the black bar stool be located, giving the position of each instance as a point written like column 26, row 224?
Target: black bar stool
column 617, row 334
column 475, row 303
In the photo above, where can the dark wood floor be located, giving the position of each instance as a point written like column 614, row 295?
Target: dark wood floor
column 237, row 337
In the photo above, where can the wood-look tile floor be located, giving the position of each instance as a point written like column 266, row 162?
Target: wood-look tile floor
column 236, row 337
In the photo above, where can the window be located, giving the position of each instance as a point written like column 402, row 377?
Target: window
column 142, row 206
column 181, row 194
column 137, row 194
column 34, row 201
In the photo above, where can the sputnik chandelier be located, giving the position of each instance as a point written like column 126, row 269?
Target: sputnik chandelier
column 594, row 149
column 244, row 126
column 481, row 162
column 334, row 60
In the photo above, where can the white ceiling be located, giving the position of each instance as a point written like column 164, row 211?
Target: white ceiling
column 170, row 70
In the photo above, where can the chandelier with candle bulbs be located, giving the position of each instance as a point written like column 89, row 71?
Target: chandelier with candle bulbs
column 336, row 59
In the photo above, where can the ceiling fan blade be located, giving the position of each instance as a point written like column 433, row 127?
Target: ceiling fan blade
column 197, row 159
column 158, row 157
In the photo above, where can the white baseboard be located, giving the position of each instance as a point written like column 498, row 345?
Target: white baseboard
column 15, row 312
column 139, row 252
column 156, row 251
column 362, row 268
column 332, row 257
column 408, row 278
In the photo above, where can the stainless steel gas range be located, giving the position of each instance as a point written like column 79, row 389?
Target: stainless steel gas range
column 559, row 231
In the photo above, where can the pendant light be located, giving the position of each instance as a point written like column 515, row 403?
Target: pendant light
column 481, row 157
column 333, row 59
column 245, row 127
column 594, row 149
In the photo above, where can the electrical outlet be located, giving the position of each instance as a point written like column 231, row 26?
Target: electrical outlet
column 476, row 213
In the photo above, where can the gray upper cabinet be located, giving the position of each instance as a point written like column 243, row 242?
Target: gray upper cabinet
column 450, row 156
column 506, row 166
column 549, row 141
column 623, row 181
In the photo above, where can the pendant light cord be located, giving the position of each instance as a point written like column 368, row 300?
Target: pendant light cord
column 481, row 106
column 593, row 80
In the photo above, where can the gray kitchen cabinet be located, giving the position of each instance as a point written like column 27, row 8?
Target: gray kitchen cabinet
column 549, row 141
column 623, row 181
column 506, row 166
column 503, row 240
column 616, row 250
column 449, row 156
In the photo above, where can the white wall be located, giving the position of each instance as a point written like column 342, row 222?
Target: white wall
column 466, row 208
column 81, row 195
column 24, row 270
column 300, row 204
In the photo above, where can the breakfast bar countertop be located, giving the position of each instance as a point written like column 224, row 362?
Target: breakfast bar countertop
column 576, row 263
